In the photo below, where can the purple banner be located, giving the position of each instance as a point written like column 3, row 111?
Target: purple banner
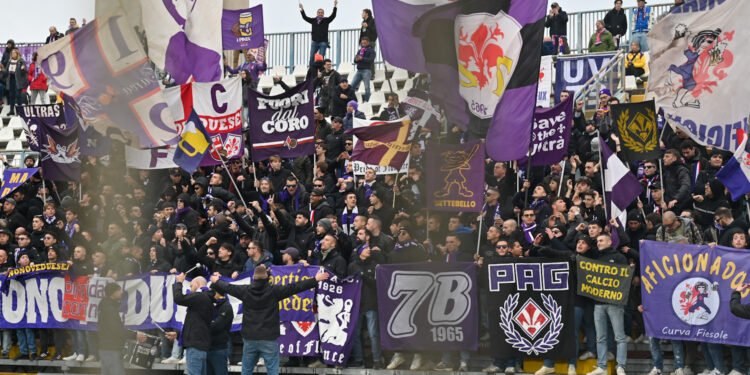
column 27, row 52
column 52, row 130
column 550, row 135
column 686, row 291
column 455, row 177
column 242, row 28
column 338, row 312
column 299, row 339
column 13, row 178
column 299, row 306
column 428, row 306
column 282, row 124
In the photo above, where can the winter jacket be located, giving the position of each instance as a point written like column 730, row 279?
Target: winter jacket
column 607, row 42
column 301, row 239
column 37, row 79
column 111, row 323
column 319, row 29
column 260, row 305
column 369, row 31
column 637, row 59
column 332, row 261
column 266, row 259
column 616, row 22
column 221, row 324
column 676, row 181
column 736, row 306
column 6, row 54
column 687, row 229
column 21, row 73
column 196, row 330
column 368, row 59
column 641, row 24
column 52, row 38
column 407, row 253
column 225, row 268
column 558, row 25
column 366, row 269
column 338, row 105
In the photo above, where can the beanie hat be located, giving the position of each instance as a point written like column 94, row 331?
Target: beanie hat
column 354, row 104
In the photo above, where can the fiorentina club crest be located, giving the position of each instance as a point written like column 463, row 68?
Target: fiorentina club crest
column 696, row 301
column 531, row 320
column 487, row 48
column 232, row 145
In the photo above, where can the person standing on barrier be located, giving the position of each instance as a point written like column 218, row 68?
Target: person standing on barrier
column 319, row 29
column 110, row 323
column 196, row 331
column 260, row 315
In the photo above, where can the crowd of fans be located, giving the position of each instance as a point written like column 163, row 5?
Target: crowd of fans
column 119, row 224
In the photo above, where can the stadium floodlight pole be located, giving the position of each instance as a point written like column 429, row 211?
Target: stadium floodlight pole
column 229, row 173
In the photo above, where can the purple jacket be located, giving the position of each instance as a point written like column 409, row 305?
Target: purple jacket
column 254, row 68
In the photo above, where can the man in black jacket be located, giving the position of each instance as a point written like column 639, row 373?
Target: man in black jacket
column 112, row 341
column 342, row 95
column 676, row 180
column 616, row 22
column 260, row 315
column 364, row 265
column 319, row 29
column 196, row 330
column 368, row 27
column 216, row 361
column 735, row 304
column 557, row 21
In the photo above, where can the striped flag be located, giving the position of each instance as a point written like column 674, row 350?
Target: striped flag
column 735, row 175
column 621, row 187
column 385, row 143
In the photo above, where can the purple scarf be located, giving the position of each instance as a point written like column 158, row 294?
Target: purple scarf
column 528, row 232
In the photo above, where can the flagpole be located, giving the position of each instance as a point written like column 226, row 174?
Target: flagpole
column 229, row 173
column 661, row 180
column 395, row 183
column 479, row 231
column 562, row 177
column 601, row 173
column 255, row 177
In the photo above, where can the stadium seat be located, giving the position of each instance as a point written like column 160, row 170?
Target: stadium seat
column 289, row 80
column 5, row 110
column 379, row 76
column 409, row 84
column 16, row 122
column 6, row 135
column 278, row 70
column 14, row 145
column 300, row 72
column 345, row 68
column 377, row 97
column 630, row 83
column 265, row 82
column 366, row 108
column 400, row 75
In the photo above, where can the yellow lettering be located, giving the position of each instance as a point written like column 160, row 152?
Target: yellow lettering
column 702, row 262
column 646, row 285
column 6, row 191
column 676, row 263
column 687, row 266
column 716, row 266
column 14, row 178
column 728, row 270
column 658, row 269
column 651, row 274
column 738, row 279
column 196, row 141
column 664, row 260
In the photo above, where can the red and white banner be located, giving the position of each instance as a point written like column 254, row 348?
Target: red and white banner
column 219, row 106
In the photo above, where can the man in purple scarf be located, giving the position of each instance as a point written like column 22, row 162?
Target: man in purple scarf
column 319, row 30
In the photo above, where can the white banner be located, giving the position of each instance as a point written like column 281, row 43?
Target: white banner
column 150, row 158
column 697, row 70
column 544, row 90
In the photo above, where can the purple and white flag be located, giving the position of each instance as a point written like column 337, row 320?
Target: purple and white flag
column 550, row 135
column 338, row 312
column 282, row 124
column 418, row 106
column 184, row 38
column 299, row 339
column 53, row 132
column 621, row 187
column 102, row 66
column 428, row 306
column 242, row 28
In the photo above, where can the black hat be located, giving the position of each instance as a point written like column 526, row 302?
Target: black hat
column 634, row 215
column 292, row 252
column 6, row 231
column 180, row 226
column 655, row 186
column 317, row 193
column 11, row 201
column 589, row 241
column 110, row 289
column 175, row 172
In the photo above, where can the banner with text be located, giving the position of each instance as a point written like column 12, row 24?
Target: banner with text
column 455, row 177
column 428, row 306
column 603, row 281
column 573, row 72
column 531, row 304
column 550, row 135
column 338, row 312
column 13, row 178
column 686, row 291
column 242, row 28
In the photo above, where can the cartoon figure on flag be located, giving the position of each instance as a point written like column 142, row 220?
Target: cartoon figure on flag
column 707, row 57
column 696, row 301
column 455, row 163
column 64, row 154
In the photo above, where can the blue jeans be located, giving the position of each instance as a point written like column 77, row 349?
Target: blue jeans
column 216, row 362
column 714, row 355
column 170, row 348
column 254, row 349
column 363, row 76
column 614, row 314
column 14, row 95
column 111, row 362
column 590, row 340
column 6, row 341
column 26, row 341
column 738, row 358
column 195, row 361
column 83, row 340
column 640, row 37
column 317, row 46
column 657, row 356
column 374, row 331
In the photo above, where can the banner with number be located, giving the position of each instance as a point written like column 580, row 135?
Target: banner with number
column 338, row 312
column 242, row 28
column 531, row 304
column 686, row 291
column 428, row 306
column 603, row 281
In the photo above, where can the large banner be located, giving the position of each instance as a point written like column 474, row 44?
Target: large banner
column 150, row 158
column 104, row 68
column 219, row 106
column 573, row 72
column 455, row 177
column 338, row 312
column 13, row 178
column 359, row 168
column 603, row 281
column 53, row 130
column 282, row 124
column 27, row 52
column 531, row 304
column 428, row 306
column 698, row 68
column 550, row 135
column 242, row 28
column 686, row 291
column 544, row 90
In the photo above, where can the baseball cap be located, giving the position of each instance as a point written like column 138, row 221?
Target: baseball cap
column 292, row 252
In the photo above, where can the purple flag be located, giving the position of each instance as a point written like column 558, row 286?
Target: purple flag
column 282, row 124
column 687, row 290
column 13, row 178
column 478, row 54
column 621, row 188
column 383, row 143
column 242, row 28
column 299, row 306
column 50, row 133
column 550, row 135
column 338, row 312
column 27, row 52
column 103, row 67
column 299, row 339
column 427, row 306
column 455, row 177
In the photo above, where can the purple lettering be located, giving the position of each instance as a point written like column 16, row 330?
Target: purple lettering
column 214, row 100
column 156, row 154
column 118, row 38
column 60, row 59
column 529, row 273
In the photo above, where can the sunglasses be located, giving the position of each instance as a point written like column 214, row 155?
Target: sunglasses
column 556, row 231
column 348, row 143
column 528, row 215
column 501, row 246
column 210, row 253
column 649, row 166
column 291, row 186
column 318, row 186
